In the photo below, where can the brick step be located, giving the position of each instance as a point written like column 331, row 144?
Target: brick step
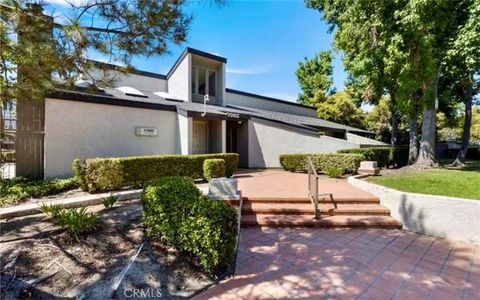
column 307, row 209
column 368, row 200
column 385, row 222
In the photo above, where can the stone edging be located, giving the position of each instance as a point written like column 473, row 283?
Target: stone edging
column 441, row 216
column 31, row 209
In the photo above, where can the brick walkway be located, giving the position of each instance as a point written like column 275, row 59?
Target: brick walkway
column 307, row 263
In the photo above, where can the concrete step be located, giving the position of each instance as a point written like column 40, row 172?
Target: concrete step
column 344, row 200
column 250, row 208
column 385, row 222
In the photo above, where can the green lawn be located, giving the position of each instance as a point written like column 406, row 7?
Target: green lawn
column 453, row 183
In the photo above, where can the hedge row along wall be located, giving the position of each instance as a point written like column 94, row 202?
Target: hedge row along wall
column 384, row 156
column 105, row 174
column 349, row 163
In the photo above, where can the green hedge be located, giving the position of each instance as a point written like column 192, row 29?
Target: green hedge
column 104, row 174
column 213, row 168
column 384, row 156
column 349, row 163
column 176, row 212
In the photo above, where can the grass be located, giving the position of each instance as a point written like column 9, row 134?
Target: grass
column 452, row 183
column 19, row 189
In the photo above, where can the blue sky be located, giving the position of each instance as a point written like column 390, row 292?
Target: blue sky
column 262, row 40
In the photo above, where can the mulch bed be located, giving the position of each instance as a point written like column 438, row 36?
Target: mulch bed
column 33, row 249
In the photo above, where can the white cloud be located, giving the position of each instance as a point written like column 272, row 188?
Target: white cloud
column 67, row 2
column 247, row 71
column 282, row 96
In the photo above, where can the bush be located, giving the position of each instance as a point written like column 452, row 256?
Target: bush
column 76, row 221
column 15, row 190
column 213, row 168
column 348, row 163
column 176, row 212
column 384, row 156
column 109, row 201
column 104, row 174
column 333, row 172
column 380, row 155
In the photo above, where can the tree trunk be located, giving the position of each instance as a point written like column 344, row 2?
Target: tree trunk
column 394, row 134
column 460, row 159
column 426, row 153
column 413, row 140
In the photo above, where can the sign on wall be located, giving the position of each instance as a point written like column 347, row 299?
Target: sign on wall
column 145, row 131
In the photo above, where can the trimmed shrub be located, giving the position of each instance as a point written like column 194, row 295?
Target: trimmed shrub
column 348, row 163
column 333, row 172
column 176, row 212
column 380, row 155
column 384, row 156
column 105, row 174
column 213, row 168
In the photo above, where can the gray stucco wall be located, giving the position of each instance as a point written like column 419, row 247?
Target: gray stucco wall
column 267, row 140
column 86, row 130
column 448, row 217
column 242, row 100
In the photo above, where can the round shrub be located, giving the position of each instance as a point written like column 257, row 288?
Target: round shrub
column 176, row 212
column 213, row 168
column 333, row 172
column 348, row 163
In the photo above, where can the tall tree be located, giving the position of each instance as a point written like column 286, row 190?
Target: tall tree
column 118, row 30
column 464, row 64
column 340, row 108
column 315, row 75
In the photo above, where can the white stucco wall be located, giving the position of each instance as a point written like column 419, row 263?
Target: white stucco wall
column 267, row 140
column 185, row 135
column 179, row 83
column 448, row 217
column 242, row 100
column 85, row 130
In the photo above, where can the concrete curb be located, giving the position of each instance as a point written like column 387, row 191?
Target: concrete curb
column 32, row 209
column 441, row 216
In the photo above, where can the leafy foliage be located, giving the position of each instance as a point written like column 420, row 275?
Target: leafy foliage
column 340, row 108
column 315, row 76
column 176, row 212
column 52, row 210
column 213, row 168
column 76, row 221
column 18, row 189
column 384, row 156
column 7, row 156
column 333, row 172
column 104, row 174
column 110, row 200
column 348, row 163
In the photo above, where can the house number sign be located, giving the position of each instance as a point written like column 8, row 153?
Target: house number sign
column 233, row 115
column 145, row 131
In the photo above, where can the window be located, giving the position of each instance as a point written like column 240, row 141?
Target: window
column 204, row 82
column 212, row 79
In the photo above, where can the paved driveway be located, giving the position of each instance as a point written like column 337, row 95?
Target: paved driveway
column 348, row 264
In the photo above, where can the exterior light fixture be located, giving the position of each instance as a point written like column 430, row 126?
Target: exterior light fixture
column 205, row 100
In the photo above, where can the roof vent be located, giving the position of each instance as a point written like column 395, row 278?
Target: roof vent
column 130, row 91
column 168, row 96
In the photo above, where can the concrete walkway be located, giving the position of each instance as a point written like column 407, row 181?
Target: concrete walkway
column 307, row 263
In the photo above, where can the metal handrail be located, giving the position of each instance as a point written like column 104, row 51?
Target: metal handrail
column 313, row 188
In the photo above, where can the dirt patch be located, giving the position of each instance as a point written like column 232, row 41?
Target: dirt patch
column 32, row 248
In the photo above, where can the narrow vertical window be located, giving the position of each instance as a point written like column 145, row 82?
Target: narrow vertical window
column 212, row 80
column 202, row 82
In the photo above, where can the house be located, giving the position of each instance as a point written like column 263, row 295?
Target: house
column 148, row 113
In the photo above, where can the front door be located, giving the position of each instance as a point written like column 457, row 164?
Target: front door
column 200, row 137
